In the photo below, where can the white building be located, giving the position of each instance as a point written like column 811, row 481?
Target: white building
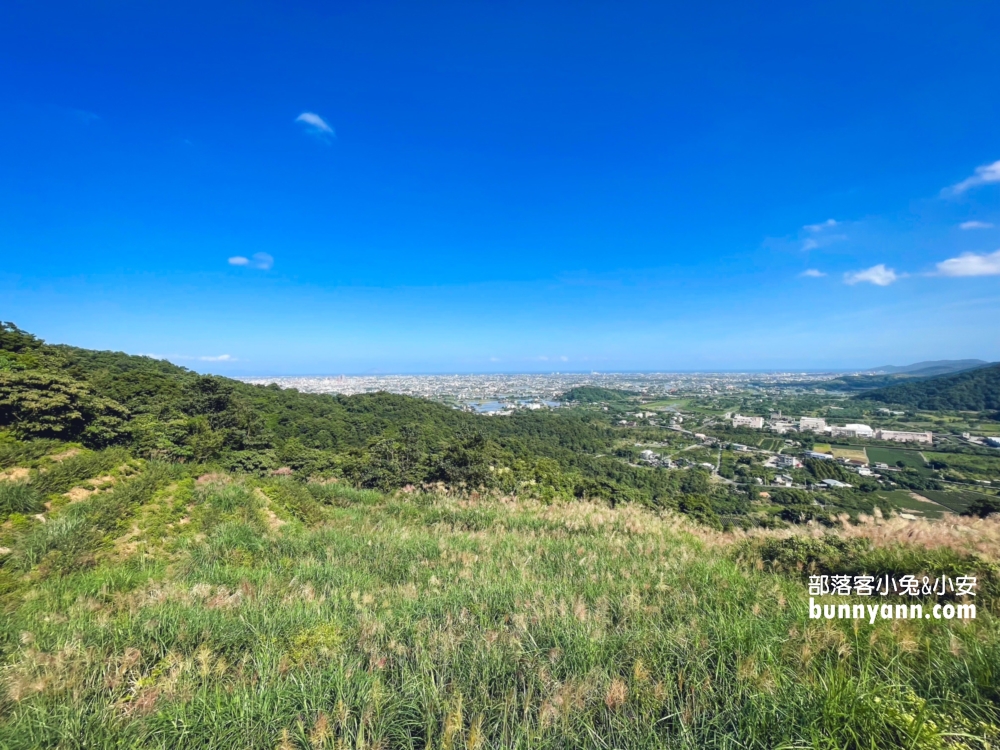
column 784, row 461
column 905, row 437
column 994, row 441
column 835, row 483
column 852, row 430
column 814, row 424
column 754, row 422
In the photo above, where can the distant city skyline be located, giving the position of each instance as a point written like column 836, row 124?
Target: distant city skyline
column 305, row 188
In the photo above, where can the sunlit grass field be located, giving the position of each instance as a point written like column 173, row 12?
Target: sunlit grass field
column 163, row 610
column 853, row 454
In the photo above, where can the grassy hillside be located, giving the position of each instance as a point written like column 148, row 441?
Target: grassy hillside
column 157, row 607
column 974, row 390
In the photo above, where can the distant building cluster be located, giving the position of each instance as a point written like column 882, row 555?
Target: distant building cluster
column 819, row 425
column 655, row 459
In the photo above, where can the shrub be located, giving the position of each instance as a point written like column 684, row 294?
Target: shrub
column 983, row 506
column 60, row 476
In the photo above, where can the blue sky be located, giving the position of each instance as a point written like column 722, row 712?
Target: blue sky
column 297, row 188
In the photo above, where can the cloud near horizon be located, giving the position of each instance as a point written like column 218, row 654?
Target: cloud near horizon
column 984, row 175
column 316, row 125
column 260, row 261
column 975, row 225
column 813, row 273
column 971, row 264
column 878, row 275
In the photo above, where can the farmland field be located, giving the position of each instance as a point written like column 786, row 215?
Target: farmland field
column 971, row 466
column 956, row 500
column 854, row 454
column 908, row 504
column 890, row 456
column 823, row 448
column 666, row 404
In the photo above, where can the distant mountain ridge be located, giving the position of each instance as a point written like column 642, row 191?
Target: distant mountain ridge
column 976, row 389
column 931, row 367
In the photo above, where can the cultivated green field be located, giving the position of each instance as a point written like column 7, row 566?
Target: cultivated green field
column 970, row 466
column 772, row 444
column 956, row 500
column 890, row 456
column 665, row 403
column 905, row 502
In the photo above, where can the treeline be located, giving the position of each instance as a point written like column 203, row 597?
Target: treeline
column 381, row 441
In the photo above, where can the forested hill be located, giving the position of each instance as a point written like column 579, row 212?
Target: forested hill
column 973, row 390
column 161, row 411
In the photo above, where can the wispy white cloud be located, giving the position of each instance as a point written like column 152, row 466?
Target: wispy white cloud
column 878, row 275
column 820, row 236
column 260, row 261
column 971, row 264
column 821, row 226
column 975, row 225
column 316, row 125
column 813, row 273
column 984, row 175
column 219, row 358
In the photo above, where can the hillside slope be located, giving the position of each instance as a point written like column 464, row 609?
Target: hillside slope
column 973, row 390
column 381, row 441
column 149, row 606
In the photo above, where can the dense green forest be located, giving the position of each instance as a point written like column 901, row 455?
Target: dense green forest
column 973, row 390
column 380, row 441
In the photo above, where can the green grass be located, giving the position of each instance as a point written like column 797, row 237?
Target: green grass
column 260, row 614
column 890, row 456
column 664, row 403
column 18, row 497
column 854, row 453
